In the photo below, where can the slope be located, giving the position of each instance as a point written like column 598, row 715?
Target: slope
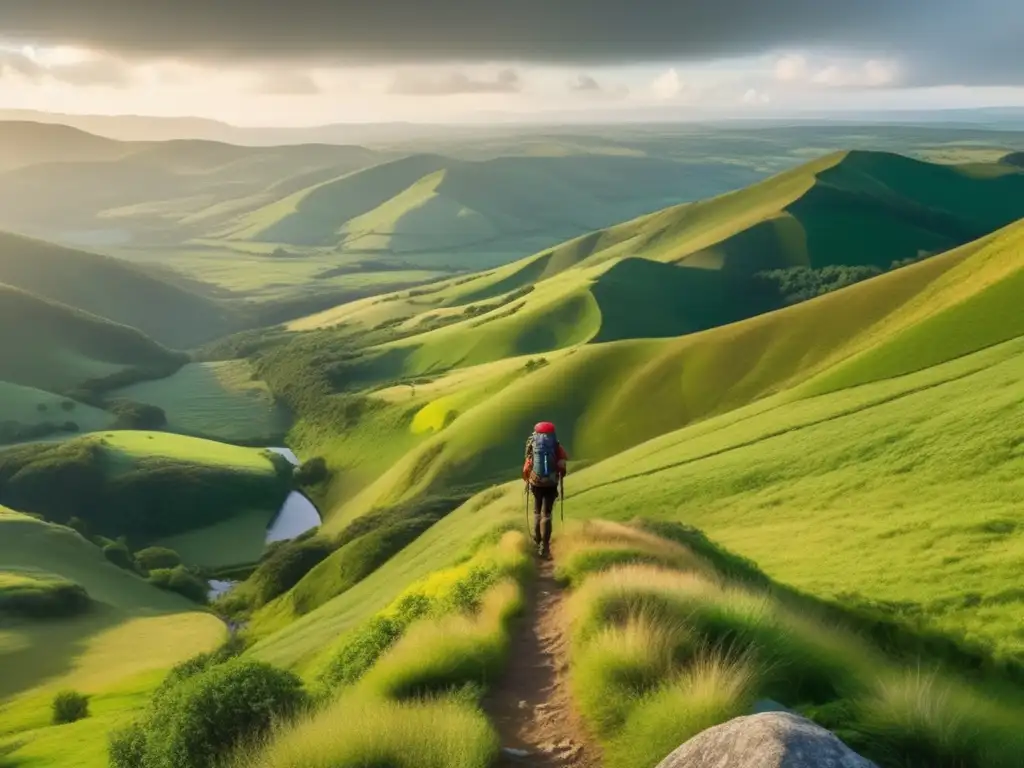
column 24, row 143
column 114, row 289
column 427, row 204
column 462, row 428
column 116, row 651
column 56, row 348
column 902, row 494
column 153, row 193
column 832, row 222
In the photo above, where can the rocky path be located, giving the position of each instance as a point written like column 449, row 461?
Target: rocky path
column 531, row 707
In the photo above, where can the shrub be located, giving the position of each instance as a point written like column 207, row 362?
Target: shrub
column 711, row 692
column 153, row 558
column 117, row 553
column 42, row 408
column 40, row 599
column 450, row 653
column 182, row 581
column 200, row 720
column 312, row 472
column 70, row 707
column 68, row 405
column 132, row 415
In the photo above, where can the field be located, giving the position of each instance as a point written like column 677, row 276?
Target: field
column 115, row 653
column 788, row 375
column 220, row 401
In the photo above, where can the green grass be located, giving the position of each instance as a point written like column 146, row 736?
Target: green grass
column 660, row 654
column 236, row 541
column 221, row 401
column 28, row 411
column 113, row 289
column 358, row 731
column 115, row 653
column 144, row 485
column 56, row 348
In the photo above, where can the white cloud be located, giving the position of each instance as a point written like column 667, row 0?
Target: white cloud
column 791, row 68
column 754, row 96
column 668, row 85
column 794, row 68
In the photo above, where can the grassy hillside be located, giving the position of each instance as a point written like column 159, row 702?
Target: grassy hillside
column 159, row 193
column 116, row 652
column 465, row 426
column 54, row 347
column 144, row 485
column 832, row 222
column 428, row 204
column 113, row 289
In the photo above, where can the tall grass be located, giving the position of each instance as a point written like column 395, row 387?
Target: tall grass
column 660, row 654
column 359, row 731
column 918, row 720
column 450, row 653
column 404, row 690
column 452, row 590
column 712, row 690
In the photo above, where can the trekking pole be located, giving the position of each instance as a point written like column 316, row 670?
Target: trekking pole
column 561, row 496
column 526, row 498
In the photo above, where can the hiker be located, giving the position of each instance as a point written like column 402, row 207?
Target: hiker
column 542, row 471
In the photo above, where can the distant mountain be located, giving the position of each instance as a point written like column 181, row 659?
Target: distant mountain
column 26, row 143
column 157, row 192
column 435, row 204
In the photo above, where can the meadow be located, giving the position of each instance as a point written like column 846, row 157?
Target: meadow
column 788, row 377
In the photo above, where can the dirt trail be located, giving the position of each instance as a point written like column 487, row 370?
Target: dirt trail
column 530, row 706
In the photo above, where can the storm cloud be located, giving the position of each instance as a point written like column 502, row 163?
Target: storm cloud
column 944, row 40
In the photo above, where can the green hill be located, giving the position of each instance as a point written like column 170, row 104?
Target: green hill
column 428, row 204
column 832, row 222
column 146, row 486
column 115, row 652
column 114, row 289
column 468, row 423
column 56, row 348
column 159, row 193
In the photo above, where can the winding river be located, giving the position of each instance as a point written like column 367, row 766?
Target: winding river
column 296, row 516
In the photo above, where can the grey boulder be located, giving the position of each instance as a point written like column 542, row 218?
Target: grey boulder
column 767, row 740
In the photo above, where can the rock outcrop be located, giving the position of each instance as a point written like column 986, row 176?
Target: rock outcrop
column 768, row 740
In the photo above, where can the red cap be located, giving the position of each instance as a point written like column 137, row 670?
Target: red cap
column 544, row 428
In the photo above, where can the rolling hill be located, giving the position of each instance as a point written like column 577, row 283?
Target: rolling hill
column 466, row 424
column 690, row 268
column 24, row 143
column 159, row 193
column 429, row 204
column 96, row 652
column 56, row 348
column 113, row 289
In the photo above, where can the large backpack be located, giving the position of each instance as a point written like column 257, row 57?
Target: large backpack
column 545, row 459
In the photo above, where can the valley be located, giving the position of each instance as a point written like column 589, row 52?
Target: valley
column 262, row 416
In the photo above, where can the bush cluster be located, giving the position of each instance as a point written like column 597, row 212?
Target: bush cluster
column 196, row 720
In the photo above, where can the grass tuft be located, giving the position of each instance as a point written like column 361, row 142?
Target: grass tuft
column 368, row 732
column 713, row 690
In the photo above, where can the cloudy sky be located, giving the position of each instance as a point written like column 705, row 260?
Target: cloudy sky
column 298, row 62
